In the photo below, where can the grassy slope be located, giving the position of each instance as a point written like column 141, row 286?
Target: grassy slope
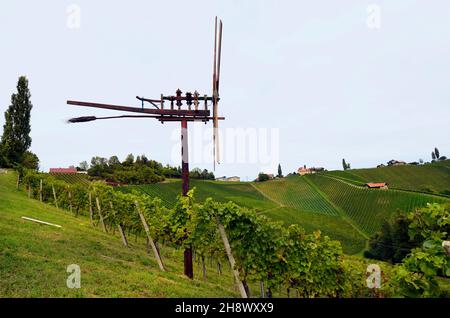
column 34, row 258
column 431, row 178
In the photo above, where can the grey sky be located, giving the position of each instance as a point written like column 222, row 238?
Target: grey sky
column 334, row 87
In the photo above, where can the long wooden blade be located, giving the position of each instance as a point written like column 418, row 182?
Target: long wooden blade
column 181, row 112
column 214, row 91
column 215, row 114
column 219, row 54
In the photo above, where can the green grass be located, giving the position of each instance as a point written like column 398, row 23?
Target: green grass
column 369, row 207
column 430, row 178
column 34, row 258
column 241, row 193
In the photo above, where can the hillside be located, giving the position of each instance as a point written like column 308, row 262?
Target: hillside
column 367, row 208
column 333, row 202
column 34, row 258
column 239, row 192
column 431, row 178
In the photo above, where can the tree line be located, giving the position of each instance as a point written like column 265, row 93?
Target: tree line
column 139, row 170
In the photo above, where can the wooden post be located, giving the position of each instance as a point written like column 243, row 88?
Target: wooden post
column 18, row 181
column 204, row 268
column 122, row 234
column 54, row 196
column 226, row 243
column 100, row 214
column 40, row 190
column 91, row 212
column 29, row 190
column 188, row 267
column 120, row 227
column 152, row 243
column 70, row 201
column 261, row 287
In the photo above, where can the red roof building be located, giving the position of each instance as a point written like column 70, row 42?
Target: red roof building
column 63, row 170
column 379, row 185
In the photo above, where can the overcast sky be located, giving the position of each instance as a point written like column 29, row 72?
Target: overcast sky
column 325, row 80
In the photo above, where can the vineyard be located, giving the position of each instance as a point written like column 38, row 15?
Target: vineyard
column 333, row 226
column 369, row 207
column 72, row 178
column 242, row 194
column 431, row 178
column 263, row 251
column 295, row 192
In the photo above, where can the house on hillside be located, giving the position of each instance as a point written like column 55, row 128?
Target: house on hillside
column 303, row 170
column 379, row 185
column 229, row 179
column 396, row 163
column 71, row 169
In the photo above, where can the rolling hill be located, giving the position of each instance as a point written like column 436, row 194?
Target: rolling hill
column 433, row 178
column 333, row 202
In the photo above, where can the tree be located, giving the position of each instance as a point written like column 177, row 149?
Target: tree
column 83, row 166
column 421, row 161
column 30, row 160
column 129, row 160
column 436, row 152
column 16, row 138
column 113, row 161
column 263, row 176
column 345, row 165
column 280, row 173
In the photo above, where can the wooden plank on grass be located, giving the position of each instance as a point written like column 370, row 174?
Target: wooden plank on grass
column 40, row 222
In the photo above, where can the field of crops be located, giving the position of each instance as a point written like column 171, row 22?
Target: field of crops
column 431, row 178
column 72, row 178
column 368, row 207
column 295, row 192
column 241, row 193
column 333, row 226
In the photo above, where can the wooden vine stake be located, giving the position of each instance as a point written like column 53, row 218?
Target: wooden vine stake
column 152, row 243
column 40, row 190
column 29, row 190
column 120, row 227
column 70, row 201
column 91, row 212
column 18, row 181
column 54, row 196
column 100, row 214
column 226, row 243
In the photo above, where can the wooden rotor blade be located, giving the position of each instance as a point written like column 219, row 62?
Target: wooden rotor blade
column 219, row 54
column 216, row 109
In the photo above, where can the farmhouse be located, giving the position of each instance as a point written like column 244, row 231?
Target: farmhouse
column 379, row 185
column 229, row 179
column 303, row 170
column 71, row 169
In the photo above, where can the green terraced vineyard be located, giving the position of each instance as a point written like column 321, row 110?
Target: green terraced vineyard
column 295, row 192
column 72, row 178
column 431, row 178
column 333, row 226
column 241, row 193
column 368, row 207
